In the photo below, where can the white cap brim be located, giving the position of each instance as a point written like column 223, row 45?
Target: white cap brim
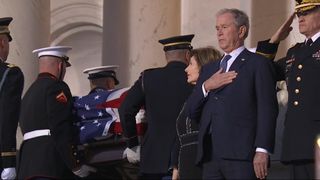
column 58, row 51
column 98, row 69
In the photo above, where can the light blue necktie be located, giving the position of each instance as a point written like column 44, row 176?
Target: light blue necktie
column 224, row 62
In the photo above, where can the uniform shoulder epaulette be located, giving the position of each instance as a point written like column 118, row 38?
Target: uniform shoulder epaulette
column 147, row 70
column 11, row 65
column 143, row 74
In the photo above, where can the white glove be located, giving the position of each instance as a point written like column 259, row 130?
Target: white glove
column 84, row 171
column 133, row 154
column 8, row 173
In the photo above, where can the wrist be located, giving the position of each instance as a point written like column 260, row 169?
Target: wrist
column 274, row 40
column 206, row 87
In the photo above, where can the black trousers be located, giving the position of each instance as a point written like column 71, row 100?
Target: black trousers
column 228, row 169
column 117, row 170
column 216, row 167
column 302, row 169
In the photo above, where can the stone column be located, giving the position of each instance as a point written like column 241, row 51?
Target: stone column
column 30, row 30
column 131, row 30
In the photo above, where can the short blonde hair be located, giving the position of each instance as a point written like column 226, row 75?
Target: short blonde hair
column 205, row 55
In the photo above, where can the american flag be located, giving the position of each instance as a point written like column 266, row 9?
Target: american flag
column 96, row 114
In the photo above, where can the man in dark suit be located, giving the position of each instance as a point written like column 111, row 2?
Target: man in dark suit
column 48, row 149
column 162, row 91
column 299, row 68
column 237, row 120
column 11, row 86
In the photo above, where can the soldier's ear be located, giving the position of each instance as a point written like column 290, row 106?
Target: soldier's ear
column 188, row 56
column 2, row 41
column 60, row 66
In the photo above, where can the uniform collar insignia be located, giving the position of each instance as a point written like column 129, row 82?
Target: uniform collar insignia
column 316, row 55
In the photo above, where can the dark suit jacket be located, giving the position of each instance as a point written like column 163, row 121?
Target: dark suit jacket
column 10, row 99
column 301, row 69
column 162, row 91
column 242, row 114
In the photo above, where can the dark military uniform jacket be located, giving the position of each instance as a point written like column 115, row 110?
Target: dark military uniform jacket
column 47, row 105
column 301, row 70
column 162, row 91
column 11, row 84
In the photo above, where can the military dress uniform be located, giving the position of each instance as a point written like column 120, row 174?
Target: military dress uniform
column 46, row 111
column 49, row 147
column 162, row 91
column 11, row 86
column 300, row 68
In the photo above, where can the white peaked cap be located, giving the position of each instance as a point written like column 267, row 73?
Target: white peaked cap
column 98, row 69
column 58, row 51
column 101, row 72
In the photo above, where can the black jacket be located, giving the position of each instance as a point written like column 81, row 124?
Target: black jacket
column 47, row 105
column 185, row 151
column 162, row 91
column 10, row 99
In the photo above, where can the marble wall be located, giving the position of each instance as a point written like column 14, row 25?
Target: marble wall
column 265, row 17
column 78, row 23
column 131, row 33
column 30, row 30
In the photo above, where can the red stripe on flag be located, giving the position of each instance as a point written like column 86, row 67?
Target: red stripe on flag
column 113, row 103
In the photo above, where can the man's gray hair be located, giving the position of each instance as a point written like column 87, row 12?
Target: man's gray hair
column 241, row 18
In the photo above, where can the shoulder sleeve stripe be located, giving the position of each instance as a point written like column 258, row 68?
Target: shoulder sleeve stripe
column 8, row 154
column 269, row 56
column 4, row 78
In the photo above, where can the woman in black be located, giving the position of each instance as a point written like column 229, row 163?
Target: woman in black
column 184, row 152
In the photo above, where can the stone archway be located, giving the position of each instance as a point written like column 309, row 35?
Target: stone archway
column 78, row 24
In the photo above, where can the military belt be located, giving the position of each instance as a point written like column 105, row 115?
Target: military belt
column 36, row 133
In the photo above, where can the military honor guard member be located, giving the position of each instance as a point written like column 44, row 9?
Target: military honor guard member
column 48, row 150
column 92, row 118
column 162, row 91
column 97, row 113
column 11, row 86
column 98, row 123
column 300, row 68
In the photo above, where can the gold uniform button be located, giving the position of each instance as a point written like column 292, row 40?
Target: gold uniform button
column 300, row 66
column 298, row 78
column 296, row 103
column 296, row 91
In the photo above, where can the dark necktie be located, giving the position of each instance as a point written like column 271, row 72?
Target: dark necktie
column 224, row 62
column 309, row 42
